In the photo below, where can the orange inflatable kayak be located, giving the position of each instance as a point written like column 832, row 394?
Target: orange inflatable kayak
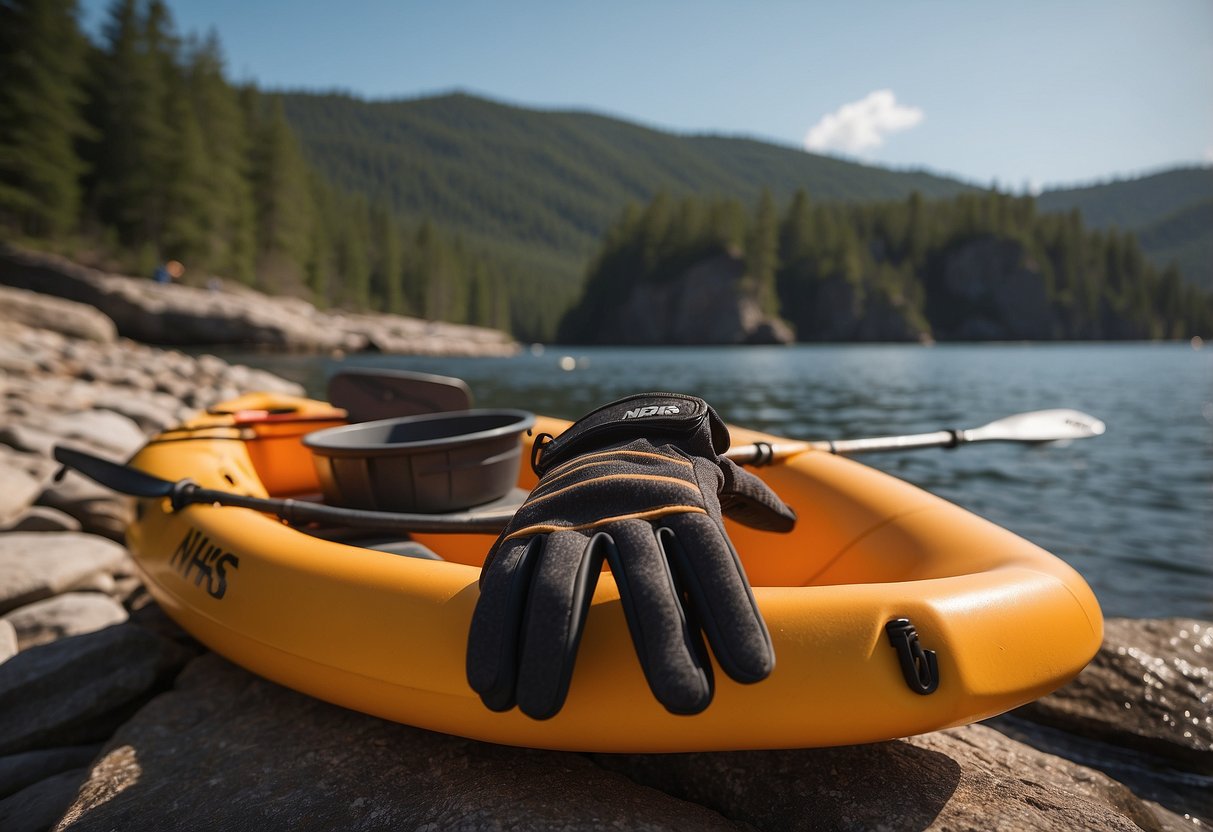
column 892, row 612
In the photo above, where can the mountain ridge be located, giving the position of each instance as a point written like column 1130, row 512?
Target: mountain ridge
column 508, row 176
column 540, row 186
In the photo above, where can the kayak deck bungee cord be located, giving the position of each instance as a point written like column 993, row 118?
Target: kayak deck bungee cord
column 891, row 611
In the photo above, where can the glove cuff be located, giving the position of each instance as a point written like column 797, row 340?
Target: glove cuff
column 655, row 416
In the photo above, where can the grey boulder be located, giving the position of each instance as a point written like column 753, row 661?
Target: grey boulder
column 105, row 431
column 98, row 510
column 964, row 778
column 37, row 565
column 36, row 808
column 8, row 641
column 18, row 490
column 272, row 759
column 80, row 689
column 1149, row 688
column 77, row 320
column 70, row 614
column 20, row 770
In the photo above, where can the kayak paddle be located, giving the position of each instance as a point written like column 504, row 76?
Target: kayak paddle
column 127, row 480
column 1036, row 427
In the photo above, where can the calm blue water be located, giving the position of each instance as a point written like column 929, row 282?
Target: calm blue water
column 1131, row 510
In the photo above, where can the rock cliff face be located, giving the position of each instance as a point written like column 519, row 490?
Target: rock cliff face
column 835, row 309
column 704, row 305
column 990, row 289
column 987, row 288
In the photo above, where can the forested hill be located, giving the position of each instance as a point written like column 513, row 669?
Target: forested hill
column 132, row 148
column 1133, row 204
column 541, row 187
column 544, row 186
column 1171, row 213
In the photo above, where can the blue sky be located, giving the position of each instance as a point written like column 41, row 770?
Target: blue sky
column 1025, row 93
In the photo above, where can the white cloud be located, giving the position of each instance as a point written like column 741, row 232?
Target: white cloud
column 862, row 125
column 1209, row 153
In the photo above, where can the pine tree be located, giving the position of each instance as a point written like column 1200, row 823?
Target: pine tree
column 501, row 309
column 1169, row 302
column 443, row 294
column 386, row 271
column 762, row 254
column 654, row 230
column 186, row 192
column 918, row 234
column 796, row 230
column 727, row 222
column 228, row 202
column 130, row 160
column 353, row 254
column 321, row 270
column 282, row 199
column 481, row 296
column 41, row 59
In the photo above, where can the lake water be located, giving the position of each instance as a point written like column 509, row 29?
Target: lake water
column 1131, row 510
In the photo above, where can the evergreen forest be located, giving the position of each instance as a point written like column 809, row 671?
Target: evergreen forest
column 889, row 266
column 137, row 149
column 130, row 147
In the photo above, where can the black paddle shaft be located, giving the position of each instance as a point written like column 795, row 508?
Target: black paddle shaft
column 127, row 480
column 302, row 512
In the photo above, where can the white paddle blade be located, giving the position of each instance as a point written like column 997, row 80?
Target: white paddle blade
column 1038, row 426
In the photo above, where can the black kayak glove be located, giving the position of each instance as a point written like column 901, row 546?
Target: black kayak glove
column 641, row 483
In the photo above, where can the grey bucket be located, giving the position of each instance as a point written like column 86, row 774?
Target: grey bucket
column 433, row 463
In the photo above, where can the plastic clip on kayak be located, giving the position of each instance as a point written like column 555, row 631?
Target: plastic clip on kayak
column 919, row 667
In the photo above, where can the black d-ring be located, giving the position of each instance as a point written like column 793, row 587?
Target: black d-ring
column 537, row 448
column 919, row 667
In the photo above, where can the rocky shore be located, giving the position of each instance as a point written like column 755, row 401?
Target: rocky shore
column 111, row 717
column 230, row 315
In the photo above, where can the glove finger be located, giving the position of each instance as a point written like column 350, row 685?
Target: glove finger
column 712, row 577
column 492, row 657
column 747, row 499
column 670, row 650
column 561, row 590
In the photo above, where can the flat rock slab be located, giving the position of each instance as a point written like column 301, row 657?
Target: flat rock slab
column 37, row 807
column 18, row 771
column 37, row 565
column 79, row 689
column 1151, row 778
column 272, row 759
column 1150, row 687
column 8, row 641
column 152, row 412
column 28, row 440
column 69, row 614
column 964, row 778
column 77, row 320
column 18, row 490
column 333, row 768
column 39, row 467
column 229, row 315
column 43, row 519
column 99, row 510
column 105, row 431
